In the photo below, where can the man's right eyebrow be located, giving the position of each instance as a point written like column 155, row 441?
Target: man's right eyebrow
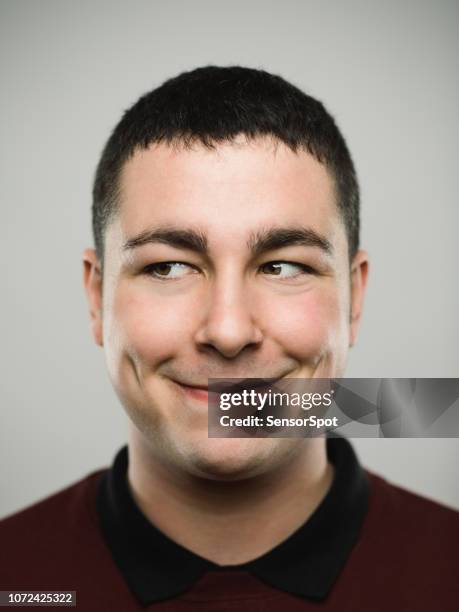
column 186, row 239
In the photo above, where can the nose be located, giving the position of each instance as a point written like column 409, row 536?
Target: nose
column 229, row 324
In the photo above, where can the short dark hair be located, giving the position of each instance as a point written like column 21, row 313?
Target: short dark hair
column 213, row 104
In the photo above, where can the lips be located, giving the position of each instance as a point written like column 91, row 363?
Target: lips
column 188, row 386
column 226, row 386
column 199, row 393
column 240, row 384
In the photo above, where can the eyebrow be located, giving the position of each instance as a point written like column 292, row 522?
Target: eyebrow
column 258, row 243
column 186, row 239
column 279, row 238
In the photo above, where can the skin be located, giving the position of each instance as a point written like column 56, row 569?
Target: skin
column 229, row 312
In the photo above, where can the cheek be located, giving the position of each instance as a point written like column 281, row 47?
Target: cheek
column 309, row 324
column 147, row 326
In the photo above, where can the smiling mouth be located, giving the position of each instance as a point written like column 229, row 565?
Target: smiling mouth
column 201, row 392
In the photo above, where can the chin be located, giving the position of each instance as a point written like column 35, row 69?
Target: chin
column 231, row 459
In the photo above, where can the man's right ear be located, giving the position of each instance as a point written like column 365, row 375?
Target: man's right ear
column 92, row 279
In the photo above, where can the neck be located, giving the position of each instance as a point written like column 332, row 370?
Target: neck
column 230, row 523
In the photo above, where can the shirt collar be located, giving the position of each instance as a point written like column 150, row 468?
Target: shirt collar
column 306, row 564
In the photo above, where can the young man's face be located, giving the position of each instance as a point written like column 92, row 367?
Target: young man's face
column 246, row 275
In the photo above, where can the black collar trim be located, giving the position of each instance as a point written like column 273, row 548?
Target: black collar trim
column 306, row 564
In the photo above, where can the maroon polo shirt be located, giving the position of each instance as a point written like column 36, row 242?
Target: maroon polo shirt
column 368, row 546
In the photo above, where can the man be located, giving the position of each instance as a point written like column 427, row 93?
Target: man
column 226, row 226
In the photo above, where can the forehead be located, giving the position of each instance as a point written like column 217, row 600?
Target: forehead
column 228, row 192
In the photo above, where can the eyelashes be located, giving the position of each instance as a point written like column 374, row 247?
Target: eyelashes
column 176, row 270
column 291, row 269
column 166, row 270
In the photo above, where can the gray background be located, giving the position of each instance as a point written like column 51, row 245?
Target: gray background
column 388, row 73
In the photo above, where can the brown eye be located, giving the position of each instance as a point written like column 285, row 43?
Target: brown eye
column 169, row 270
column 272, row 268
column 285, row 269
column 163, row 269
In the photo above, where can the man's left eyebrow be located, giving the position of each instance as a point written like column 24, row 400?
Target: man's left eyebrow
column 278, row 238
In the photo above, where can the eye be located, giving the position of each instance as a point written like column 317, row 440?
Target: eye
column 286, row 269
column 168, row 270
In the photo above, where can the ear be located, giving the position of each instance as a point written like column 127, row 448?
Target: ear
column 359, row 275
column 92, row 279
